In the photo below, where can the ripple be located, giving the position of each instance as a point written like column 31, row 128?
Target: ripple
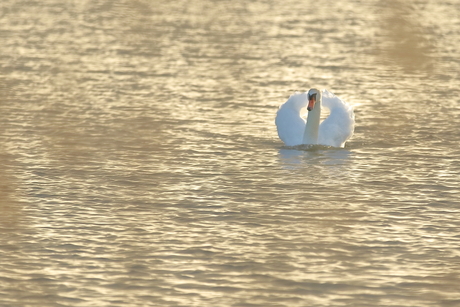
column 139, row 161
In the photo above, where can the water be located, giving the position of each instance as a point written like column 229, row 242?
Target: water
column 140, row 164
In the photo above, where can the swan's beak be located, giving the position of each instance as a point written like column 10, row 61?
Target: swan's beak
column 311, row 104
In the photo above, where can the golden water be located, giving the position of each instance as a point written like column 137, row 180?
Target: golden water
column 140, row 165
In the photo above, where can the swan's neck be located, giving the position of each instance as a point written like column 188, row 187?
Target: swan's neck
column 310, row 135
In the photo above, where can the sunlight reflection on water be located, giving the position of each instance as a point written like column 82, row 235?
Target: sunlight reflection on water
column 140, row 163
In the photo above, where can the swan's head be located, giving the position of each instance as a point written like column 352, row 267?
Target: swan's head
column 314, row 95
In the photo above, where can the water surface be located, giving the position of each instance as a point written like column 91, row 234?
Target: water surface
column 140, row 165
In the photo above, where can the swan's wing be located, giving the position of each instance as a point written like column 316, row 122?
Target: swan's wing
column 289, row 123
column 338, row 127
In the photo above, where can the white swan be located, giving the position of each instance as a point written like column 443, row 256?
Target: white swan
column 334, row 131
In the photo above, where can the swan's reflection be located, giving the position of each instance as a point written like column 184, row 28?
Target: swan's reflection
column 297, row 157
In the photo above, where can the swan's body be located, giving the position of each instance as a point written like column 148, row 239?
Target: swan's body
column 334, row 131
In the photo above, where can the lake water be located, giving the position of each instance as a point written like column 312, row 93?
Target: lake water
column 140, row 164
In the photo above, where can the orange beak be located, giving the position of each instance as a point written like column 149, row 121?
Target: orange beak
column 311, row 104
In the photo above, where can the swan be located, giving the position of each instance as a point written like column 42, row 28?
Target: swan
column 334, row 131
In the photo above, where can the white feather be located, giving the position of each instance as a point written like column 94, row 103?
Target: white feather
column 334, row 131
